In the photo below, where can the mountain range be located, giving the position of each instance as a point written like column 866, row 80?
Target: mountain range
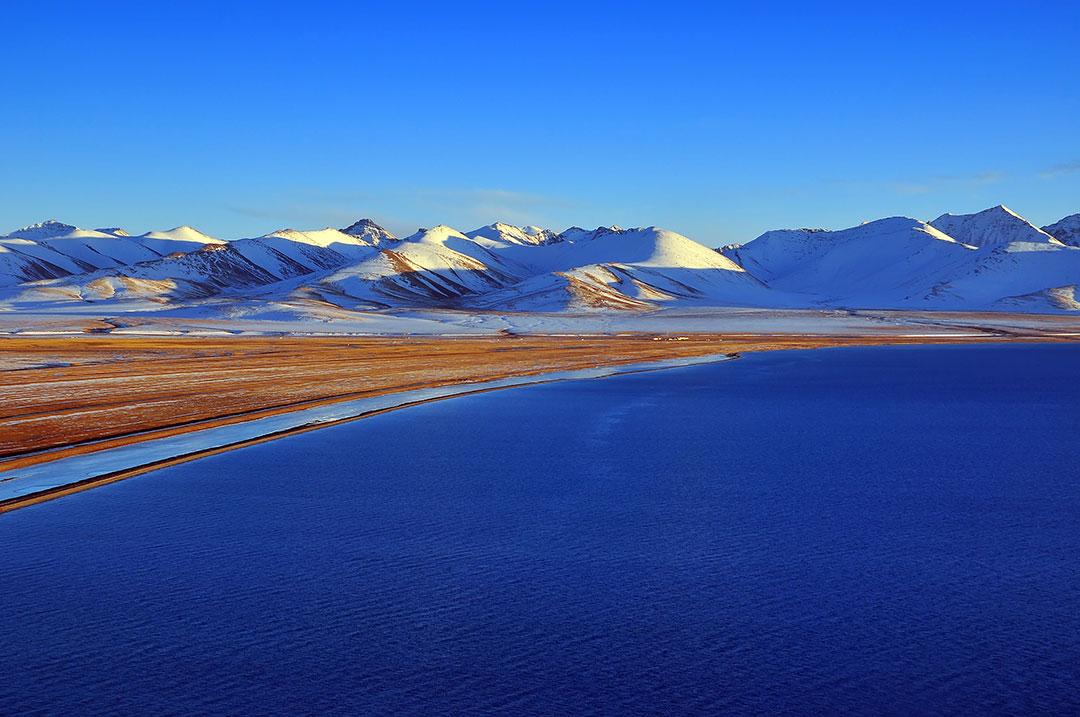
column 992, row 260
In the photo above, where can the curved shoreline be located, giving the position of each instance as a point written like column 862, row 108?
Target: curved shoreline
column 30, row 485
column 74, row 467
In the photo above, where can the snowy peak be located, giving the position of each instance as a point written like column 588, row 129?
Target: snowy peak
column 1066, row 231
column 509, row 234
column 433, row 267
column 44, row 230
column 179, row 239
column 648, row 246
column 85, row 249
column 438, row 234
column 576, row 234
column 878, row 258
column 991, row 260
column 181, row 233
column 369, row 231
column 991, row 228
column 630, row 269
column 327, row 237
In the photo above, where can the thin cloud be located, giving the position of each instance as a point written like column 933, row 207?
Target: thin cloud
column 920, row 185
column 305, row 215
column 1059, row 170
column 941, row 182
column 485, row 205
column 402, row 209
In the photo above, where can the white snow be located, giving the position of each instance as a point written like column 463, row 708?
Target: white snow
column 874, row 264
column 501, row 233
column 1067, row 230
column 990, row 228
column 370, row 232
column 992, row 260
column 183, row 239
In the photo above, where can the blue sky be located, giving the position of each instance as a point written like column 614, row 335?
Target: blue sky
column 718, row 121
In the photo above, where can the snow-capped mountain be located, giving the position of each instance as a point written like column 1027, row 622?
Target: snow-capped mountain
column 507, row 234
column 882, row 262
column 991, row 260
column 995, row 227
column 432, row 267
column 52, row 249
column 88, row 247
column 370, row 232
column 1033, row 275
column 629, row 269
column 1066, row 231
column 182, row 239
column 575, row 234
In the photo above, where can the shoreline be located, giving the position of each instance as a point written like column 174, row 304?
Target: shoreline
column 91, row 470
column 42, row 475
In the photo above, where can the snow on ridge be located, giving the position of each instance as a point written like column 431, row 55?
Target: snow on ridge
column 992, row 259
column 43, row 230
column 328, row 237
column 878, row 261
column 437, row 234
column 368, row 229
column 178, row 239
column 510, row 234
column 579, row 234
column 648, row 246
column 993, row 227
column 183, row 232
column 1065, row 230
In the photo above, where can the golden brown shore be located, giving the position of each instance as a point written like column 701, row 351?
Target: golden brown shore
column 68, row 396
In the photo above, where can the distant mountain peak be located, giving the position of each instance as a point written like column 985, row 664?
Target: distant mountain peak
column 436, row 234
column 996, row 209
column 1065, row 230
column 995, row 227
column 171, row 239
column 285, row 233
column 361, row 225
column 369, row 229
column 50, row 223
column 45, row 229
column 512, row 234
column 990, row 260
column 576, row 233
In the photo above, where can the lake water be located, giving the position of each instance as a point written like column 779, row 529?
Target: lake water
column 888, row 530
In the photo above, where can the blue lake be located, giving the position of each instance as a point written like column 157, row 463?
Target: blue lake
column 888, row 530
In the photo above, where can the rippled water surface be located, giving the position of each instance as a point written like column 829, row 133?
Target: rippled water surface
column 888, row 530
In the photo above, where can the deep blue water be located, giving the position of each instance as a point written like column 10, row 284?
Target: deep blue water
column 891, row 530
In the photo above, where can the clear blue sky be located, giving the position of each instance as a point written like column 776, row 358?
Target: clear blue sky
column 719, row 121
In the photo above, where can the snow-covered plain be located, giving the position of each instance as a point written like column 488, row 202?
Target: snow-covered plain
column 363, row 279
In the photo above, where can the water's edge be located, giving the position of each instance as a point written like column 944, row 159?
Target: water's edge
column 25, row 486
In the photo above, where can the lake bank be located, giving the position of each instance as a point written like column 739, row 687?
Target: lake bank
column 77, row 413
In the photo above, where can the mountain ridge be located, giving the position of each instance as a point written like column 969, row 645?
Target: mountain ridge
column 989, row 260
